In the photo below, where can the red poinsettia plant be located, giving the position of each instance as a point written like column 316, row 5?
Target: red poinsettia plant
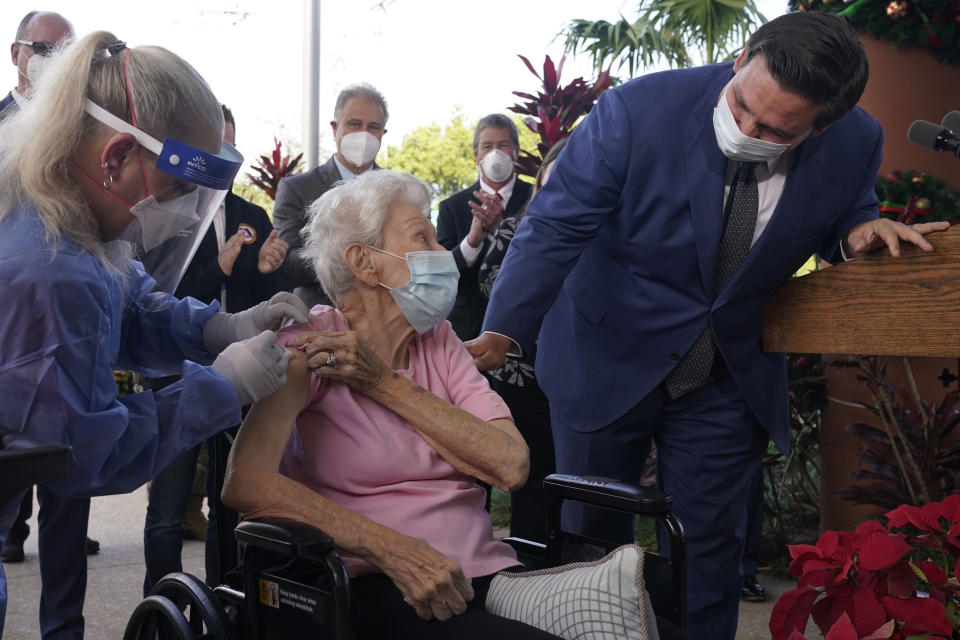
column 896, row 578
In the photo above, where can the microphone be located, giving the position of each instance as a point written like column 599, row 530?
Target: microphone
column 952, row 121
column 934, row 137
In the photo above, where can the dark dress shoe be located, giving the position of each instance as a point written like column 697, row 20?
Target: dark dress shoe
column 12, row 552
column 93, row 547
column 752, row 591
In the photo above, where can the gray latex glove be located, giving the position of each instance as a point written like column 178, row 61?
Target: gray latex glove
column 256, row 367
column 225, row 328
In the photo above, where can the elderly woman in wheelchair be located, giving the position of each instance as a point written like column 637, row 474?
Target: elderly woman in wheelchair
column 385, row 424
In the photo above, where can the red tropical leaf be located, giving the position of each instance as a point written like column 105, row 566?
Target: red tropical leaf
column 796, row 635
column 868, row 613
column 880, row 551
column 920, row 615
column 842, row 629
column 791, row 612
column 549, row 75
column 529, row 66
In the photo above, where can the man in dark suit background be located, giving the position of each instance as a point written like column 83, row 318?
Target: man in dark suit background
column 680, row 205
column 359, row 122
column 468, row 218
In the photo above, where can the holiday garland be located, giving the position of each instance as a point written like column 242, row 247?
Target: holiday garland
column 913, row 196
column 930, row 24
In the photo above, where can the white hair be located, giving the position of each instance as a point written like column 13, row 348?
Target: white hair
column 355, row 211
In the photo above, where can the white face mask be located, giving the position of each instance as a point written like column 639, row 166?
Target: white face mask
column 497, row 166
column 36, row 66
column 735, row 144
column 359, row 148
column 156, row 222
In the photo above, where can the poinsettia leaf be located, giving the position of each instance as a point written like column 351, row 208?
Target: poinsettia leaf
column 829, row 544
column 869, row 527
column 828, row 609
column 868, row 613
column 842, row 629
column 880, row 551
column 920, row 615
column 882, row 632
column 907, row 514
column 796, row 635
column 900, row 580
column 929, row 572
column 950, row 508
column 791, row 612
column 797, row 550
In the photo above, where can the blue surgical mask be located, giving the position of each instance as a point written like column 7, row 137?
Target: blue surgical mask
column 427, row 299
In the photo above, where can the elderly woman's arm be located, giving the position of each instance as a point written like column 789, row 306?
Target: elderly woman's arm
column 493, row 451
column 431, row 583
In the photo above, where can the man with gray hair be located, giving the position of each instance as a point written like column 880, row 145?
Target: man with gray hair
column 359, row 121
column 468, row 218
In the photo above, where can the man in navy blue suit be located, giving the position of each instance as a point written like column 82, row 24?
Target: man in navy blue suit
column 680, row 204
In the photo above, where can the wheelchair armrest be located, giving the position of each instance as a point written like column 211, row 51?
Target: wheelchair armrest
column 288, row 537
column 610, row 493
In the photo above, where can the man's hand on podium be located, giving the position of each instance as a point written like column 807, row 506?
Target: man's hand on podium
column 875, row 234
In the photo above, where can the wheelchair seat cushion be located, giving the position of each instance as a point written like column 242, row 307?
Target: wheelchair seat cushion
column 601, row 600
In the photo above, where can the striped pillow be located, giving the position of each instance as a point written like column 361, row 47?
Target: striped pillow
column 601, row 600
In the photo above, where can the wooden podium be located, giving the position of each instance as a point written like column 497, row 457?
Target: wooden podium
column 875, row 305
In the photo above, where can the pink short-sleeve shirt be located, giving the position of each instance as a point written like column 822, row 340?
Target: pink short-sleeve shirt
column 363, row 456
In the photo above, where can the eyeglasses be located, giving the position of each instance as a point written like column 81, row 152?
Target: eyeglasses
column 39, row 48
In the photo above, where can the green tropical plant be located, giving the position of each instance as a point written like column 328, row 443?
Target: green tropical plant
column 677, row 32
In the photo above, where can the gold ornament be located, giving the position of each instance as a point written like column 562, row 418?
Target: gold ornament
column 922, row 203
column 897, row 9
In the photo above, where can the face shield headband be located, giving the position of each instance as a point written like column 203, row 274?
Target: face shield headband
column 179, row 159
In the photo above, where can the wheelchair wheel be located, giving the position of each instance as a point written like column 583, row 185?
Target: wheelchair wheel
column 157, row 618
column 197, row 605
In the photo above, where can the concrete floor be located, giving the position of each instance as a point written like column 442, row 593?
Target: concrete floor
column 115, row 577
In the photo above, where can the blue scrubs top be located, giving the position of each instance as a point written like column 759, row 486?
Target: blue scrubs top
column 66, row 322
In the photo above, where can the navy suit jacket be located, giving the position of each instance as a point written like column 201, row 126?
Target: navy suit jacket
column 453, row 225
column 613, row 265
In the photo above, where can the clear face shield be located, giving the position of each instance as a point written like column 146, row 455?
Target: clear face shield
column 168, row 228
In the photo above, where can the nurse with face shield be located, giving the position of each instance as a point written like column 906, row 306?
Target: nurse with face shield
column 86, row 185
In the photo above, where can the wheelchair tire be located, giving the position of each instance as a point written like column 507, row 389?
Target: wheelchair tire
column 207, row 618
column 157, row 618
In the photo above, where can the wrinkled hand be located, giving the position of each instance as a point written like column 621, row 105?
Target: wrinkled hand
column 874, row 234
column 256, row 367
column 272, row 253
column 341, row 356
column 431, row 583
column 489, row 211
column 228, row 254
column 489, row 350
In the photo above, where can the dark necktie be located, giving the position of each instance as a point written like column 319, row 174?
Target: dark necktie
column 740, row 222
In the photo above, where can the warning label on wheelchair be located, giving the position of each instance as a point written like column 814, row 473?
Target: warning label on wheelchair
column 286, row 594
column 269, row 593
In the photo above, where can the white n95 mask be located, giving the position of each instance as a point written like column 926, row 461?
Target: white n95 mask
column 735, row 144
column 497, row 166
column 359, row 148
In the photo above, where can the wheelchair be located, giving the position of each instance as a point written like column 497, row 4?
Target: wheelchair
column 291, row 582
